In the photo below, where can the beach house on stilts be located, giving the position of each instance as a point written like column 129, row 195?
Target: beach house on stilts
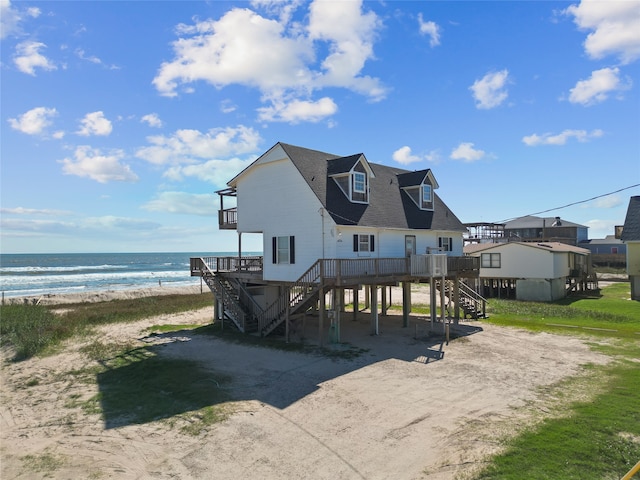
column 332, row 223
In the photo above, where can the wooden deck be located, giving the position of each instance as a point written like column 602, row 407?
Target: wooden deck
column 349, row 272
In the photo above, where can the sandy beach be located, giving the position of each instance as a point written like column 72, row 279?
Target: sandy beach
column 408, row 408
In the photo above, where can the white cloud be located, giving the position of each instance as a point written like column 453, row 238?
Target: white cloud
column 183, row 203
column 10, row 18
column 490, row 91
column 561, row 138
column 466, row 153
column 216, row 172
column 190, row 146
column 34, row 121
column 152, row 119
column 298, row 111
column 32, row 211
column 598, row 87
column 28, row 57
column 227, row 106
column 431, row 29
column 111, row 222
column 278, row 57
column 610, row 201
column 92, row 163
column 614, row 26
column 82, row 55
column 404, row 156
column 95, row 123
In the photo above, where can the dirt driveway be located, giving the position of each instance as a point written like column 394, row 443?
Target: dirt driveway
column 407, row 408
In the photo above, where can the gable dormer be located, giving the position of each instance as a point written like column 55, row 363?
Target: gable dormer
column 419, row 186
column 352, row 174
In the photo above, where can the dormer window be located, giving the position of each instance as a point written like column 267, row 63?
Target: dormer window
column 419, row 186
column 426, row 194
column 352, row 174
column 359, row 182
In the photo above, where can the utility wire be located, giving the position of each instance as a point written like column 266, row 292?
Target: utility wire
column 572, row 204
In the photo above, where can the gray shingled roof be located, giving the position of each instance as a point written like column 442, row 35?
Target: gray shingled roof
column 530, row 221
column 631, row 230
column 388, row 205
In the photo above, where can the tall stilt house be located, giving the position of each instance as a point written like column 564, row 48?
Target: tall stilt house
column 329, row 223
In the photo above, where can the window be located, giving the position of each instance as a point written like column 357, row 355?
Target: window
column 490, row 260
column 363, row 243
column 283, row 250
column 426, row 193
column 614, row 250
column 359, row 182
column 445, row 244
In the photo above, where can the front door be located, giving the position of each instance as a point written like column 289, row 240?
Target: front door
column 410, row 245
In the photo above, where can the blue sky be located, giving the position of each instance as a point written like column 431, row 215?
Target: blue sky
column 119, row 120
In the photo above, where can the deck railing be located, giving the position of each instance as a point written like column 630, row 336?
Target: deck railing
column 349, row 268
column 228, row 218
column 226, row 264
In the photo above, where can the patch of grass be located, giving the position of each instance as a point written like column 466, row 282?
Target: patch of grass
column 98, row 351
column 199, row 421
column 594, row 436
column 45, row 463
column 597, row 439
column 36, row 329
column 610, row 316
column 139, row 386
column 31, row 329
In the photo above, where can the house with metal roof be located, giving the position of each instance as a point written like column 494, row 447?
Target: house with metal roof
column 330, row 223
column 541, row 272
column 631, row 237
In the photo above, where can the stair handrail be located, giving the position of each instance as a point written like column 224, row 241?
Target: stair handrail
column 235, row 312
column 292, row 295
column 475, row 296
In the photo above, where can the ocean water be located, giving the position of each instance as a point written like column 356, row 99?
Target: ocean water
column 42, row 274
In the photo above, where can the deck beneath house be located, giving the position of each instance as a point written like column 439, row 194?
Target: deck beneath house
column 238, row 286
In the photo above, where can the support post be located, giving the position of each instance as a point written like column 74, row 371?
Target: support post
column 356, row 304
column 321, row 313
column 442, row 303
column 406, row 303
column 374, row 310
column 456, row 300
column 432, row 300
column 384, row 301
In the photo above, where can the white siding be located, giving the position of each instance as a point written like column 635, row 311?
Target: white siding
column 520, row 261
column 276, row 201
column 388, row 243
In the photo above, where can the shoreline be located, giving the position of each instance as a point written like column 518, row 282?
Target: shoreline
column 104, row 295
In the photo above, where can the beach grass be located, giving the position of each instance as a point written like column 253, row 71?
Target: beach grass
column 38, row 329
column 593, row 438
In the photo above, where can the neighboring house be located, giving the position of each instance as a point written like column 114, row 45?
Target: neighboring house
column 547, row 229
column 631, row 237
column 608, row 251
column 543, row 271
column 329, row 223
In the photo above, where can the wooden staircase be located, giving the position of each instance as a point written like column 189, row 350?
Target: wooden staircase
column 248, row 316
column 296, row 298
column 470, row 302
column 232, row 295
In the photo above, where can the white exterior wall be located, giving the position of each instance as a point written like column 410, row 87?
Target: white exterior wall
column 519, row 261
column 388, row 243
column 274, row 199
